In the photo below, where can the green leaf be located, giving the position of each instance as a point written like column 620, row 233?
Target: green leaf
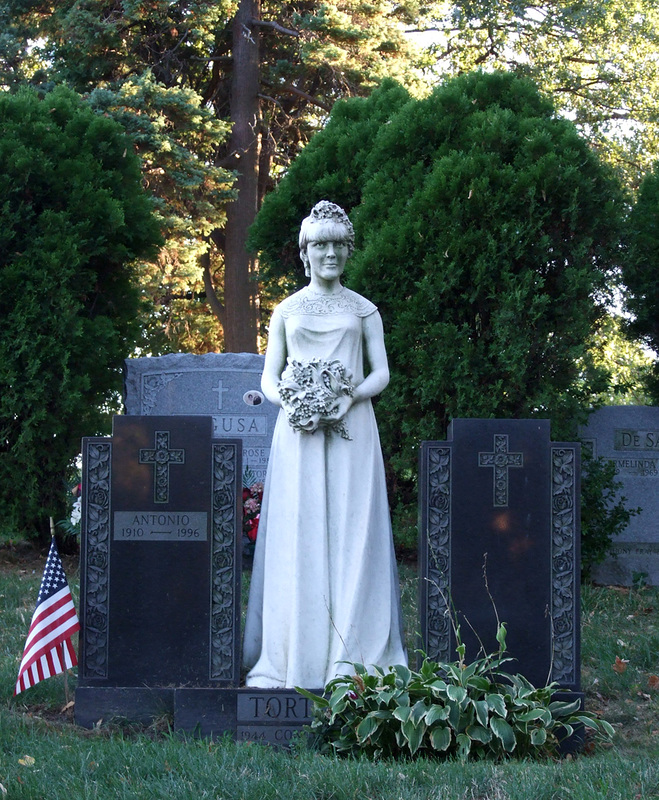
column 464, row 745
column 413, row 735
column 457, row 693
column 419, row 711
column 561, row 708
column 595, row 724
column 317, row 699
column 479, row 733
column 480, row 683
column 402, row 713
column 382, row 713
column 366, row 728
column 403, row 674
column 428, row 669
column 454, row 715
column 435, row 713
column 482, row 711
column 538, row 736
column 501, row 635
column 385, row 697
column 504, row 732
column 497, row 704
column 438, row 687
column 440, row 738
column 468, row 672
column 533, row 714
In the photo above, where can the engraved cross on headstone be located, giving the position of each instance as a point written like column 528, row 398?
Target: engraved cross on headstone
column 500, row 460
column 161, row 457
column 220, row 394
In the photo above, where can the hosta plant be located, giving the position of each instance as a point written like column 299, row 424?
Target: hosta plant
column 454, row 709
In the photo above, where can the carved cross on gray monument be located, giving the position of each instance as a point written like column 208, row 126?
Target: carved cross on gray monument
column 500, row 460
column 220, row 394
column 161, row 457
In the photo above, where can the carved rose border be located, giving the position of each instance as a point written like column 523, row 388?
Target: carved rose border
column 224, row 647
column 438, row 553
column 564, row 533
column 97, row 463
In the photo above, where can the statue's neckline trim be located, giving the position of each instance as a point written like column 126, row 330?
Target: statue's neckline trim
column 309, row 302
column 341, row 291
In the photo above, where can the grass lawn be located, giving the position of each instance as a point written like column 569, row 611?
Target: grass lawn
column 44, row 755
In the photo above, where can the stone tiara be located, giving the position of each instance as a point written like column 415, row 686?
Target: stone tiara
column 324, row 210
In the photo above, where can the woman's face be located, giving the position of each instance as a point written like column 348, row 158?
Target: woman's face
column 327, row 258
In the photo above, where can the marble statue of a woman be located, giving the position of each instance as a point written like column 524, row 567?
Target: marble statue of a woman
column 324, row 584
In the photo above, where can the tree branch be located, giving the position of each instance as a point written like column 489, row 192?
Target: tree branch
column 272, row 100
column 285, row 87
column 217, row 308
column 274, row 26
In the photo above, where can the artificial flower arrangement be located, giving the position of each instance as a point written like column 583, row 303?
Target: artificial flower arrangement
column 252, row 497
column 309, row 391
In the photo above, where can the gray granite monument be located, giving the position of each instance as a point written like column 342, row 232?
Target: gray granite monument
column 499, row 499
column 224, row 386
column 629, row 436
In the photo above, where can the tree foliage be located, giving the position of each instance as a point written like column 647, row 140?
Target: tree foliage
column 641, row 272
column 627, row 361
column 597, row 60
column 220, row 96
column 487, row 233
column 73, row 218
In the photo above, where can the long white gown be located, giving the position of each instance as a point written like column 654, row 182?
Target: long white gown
column 324, row 584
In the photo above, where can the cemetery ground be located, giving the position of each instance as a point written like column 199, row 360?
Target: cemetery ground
column 44, row 755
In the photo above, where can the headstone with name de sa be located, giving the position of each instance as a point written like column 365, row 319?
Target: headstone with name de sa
column 160, row 567
column 629, row 436
column 499, row 537
column 224, row 386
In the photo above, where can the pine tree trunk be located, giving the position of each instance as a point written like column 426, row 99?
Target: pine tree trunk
column 240, row 288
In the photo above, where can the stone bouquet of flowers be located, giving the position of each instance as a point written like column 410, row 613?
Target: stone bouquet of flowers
column 309, row 391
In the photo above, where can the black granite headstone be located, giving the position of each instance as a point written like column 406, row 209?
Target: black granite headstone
column 499, row 522
column 160, row 566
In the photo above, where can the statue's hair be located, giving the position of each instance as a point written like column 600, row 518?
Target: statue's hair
column 327, row 221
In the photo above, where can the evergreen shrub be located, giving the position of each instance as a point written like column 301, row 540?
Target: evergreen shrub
column 73, row 219
column 488, row 234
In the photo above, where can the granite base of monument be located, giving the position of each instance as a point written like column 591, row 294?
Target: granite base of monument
column 95, row 705
column 264, row 716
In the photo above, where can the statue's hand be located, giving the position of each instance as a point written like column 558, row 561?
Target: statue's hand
column 341, row 408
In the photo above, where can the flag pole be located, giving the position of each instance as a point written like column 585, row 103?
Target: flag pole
column 61, row 645
column 66, row 676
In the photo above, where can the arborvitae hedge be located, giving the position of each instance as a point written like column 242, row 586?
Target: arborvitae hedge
column 641, row 271
column 73, row 216
column 487, row 234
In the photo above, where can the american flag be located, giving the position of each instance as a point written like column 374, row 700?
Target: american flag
column 48, row 649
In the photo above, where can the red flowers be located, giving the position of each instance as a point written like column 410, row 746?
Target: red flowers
column 252, row 497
